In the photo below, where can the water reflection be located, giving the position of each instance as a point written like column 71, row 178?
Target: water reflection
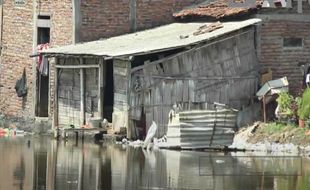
column 47, row 164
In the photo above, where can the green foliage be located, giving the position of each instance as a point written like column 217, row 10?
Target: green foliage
column 281, row 128
column 298, row 101
column 285, row 102
column 274, row 127
column 304, row 108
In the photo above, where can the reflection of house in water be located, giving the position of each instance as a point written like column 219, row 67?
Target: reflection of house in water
column 15, row 166
column 70, row 166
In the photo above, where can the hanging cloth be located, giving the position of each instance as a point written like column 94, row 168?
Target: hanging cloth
column 44, row 67
column 21, row 85
column 42, row 62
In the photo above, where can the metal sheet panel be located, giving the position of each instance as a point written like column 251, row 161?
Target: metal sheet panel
column 202, row 129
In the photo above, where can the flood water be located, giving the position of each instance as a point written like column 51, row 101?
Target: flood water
column 41, row 163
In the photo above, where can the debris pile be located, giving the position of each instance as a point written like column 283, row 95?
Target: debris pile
column 10, row 132
column 208, row 28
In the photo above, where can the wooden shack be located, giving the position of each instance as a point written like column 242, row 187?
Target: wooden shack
column 136, row 78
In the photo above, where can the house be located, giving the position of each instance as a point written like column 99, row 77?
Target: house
column 137, row 78
column 26, row 24
column 284, row 41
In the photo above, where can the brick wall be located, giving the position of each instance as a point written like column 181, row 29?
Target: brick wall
column 17, row 42
column 282, row 61
column 106, row 18
column 152, row 13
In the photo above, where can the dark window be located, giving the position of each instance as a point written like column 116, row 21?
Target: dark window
column 44, row 17
column 43, row 35
column 292, row 42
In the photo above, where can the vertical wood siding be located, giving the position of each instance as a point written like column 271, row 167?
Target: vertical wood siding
column 224, row 72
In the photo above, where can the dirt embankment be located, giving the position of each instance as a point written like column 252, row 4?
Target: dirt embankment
column 273, row 137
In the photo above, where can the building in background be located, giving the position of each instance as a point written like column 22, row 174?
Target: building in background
column 284, row 43
column 26, row 24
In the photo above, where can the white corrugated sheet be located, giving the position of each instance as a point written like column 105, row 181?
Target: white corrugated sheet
column 200, row 129
column 161, row 38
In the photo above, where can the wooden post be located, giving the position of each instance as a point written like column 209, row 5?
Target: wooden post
column 82, row 95
column 128, row 90
column 100, row 88
column 56, row 122
column 264, row 109
column 76, row 24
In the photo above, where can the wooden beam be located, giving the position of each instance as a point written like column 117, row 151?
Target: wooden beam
column 76, row 66
column 82, row 94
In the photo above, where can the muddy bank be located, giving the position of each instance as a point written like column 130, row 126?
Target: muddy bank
column 273, row 138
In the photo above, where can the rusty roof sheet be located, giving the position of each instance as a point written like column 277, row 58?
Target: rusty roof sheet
column 217, row 10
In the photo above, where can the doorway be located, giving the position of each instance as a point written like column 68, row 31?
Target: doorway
column 108, row 101
column 42, row 82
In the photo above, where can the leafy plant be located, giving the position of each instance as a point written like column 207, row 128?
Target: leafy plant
column 304, row 108
column 285, row 102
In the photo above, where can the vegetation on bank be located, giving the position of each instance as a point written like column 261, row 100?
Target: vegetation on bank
column 294, row 108
column 293, row 124
column 278, row 132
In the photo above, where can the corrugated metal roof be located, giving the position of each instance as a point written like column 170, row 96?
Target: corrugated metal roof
column 161, row 38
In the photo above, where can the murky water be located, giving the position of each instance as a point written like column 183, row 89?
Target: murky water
column 45, row 164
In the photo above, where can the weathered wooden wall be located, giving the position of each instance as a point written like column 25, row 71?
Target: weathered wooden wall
column 68, row 95
column 223, row 71
column 91, row 89
column 121, row 78
column 69, row 92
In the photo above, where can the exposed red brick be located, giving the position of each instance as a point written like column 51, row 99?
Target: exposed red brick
column 284, row 62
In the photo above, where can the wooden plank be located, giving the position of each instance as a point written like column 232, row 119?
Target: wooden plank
column 120, row 83
column 185, row 91
column 56, row 121
column 174, row 92
column 167, row 88
column 129, row 124
column 160, row 97
column 191, row 91
column 76, row 66
column 101, row 87
column 175, row 66
column 120, row 63
column 120, row 97
column 120, row 71
column 179, row 91
column 82, row 94
column 147, row 98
